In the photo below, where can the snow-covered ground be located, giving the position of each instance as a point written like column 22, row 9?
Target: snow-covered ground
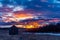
column 4, row 35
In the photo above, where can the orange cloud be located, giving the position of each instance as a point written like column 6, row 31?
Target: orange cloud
column 23, row 15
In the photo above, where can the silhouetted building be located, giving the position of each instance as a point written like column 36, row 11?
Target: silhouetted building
column 13, row 30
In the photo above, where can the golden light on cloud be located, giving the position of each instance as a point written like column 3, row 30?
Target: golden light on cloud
column 32, row 25
column 29, row 26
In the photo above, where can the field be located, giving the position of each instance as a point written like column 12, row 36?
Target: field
column 4, row 35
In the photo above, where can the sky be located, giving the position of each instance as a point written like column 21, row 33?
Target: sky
column 41, row 8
